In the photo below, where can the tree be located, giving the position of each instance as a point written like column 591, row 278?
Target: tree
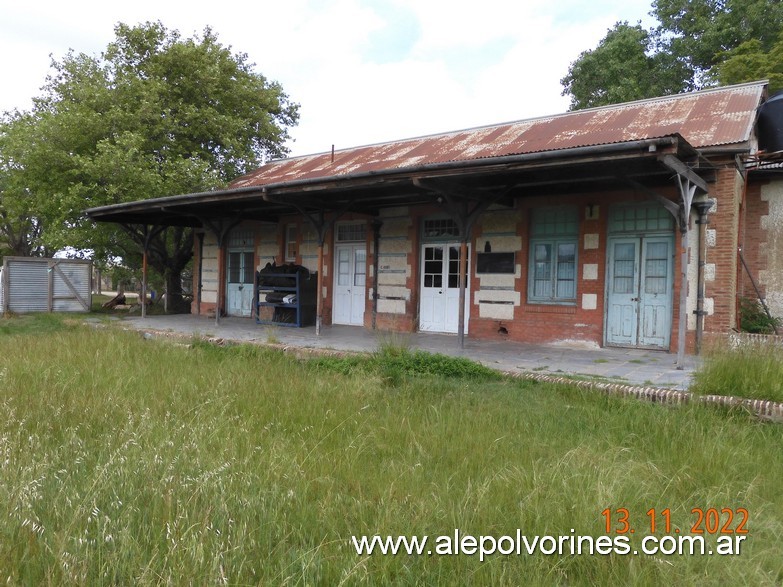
column 154, row 115
column 622, row 68
column 702, row 32
column 21, row 227
column 750, row 62
column 685, row 51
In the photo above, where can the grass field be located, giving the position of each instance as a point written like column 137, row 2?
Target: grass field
column 754, row 370
column 133, row 461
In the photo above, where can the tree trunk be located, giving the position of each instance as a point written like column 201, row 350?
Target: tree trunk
column 175, row 305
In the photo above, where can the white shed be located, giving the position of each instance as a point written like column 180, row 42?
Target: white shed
column 34, row 284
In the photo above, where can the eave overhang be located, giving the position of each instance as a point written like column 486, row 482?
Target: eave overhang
column 577, row 170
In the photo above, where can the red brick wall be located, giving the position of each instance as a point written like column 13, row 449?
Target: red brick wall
column 549, row 323
column 727, row 190
column 753, row 239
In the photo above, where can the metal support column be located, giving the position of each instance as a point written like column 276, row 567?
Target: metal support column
column 687, row 190
column 702, row 208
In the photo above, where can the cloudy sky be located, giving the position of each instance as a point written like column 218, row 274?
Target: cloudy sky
column 363, row 71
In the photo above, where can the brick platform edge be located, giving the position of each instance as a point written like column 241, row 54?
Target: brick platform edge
column 763, row 409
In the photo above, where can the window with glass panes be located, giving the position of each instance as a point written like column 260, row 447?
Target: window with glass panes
column 554, row 233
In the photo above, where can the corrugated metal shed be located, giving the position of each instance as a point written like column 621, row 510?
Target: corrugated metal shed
column 30, row 284
column 721, row 117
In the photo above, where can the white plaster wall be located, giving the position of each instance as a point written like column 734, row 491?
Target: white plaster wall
column 394, row 248
column 391, row 306
column 496, row 311
column 772, row 277
column 268, row 248
column 589, row 301
column 308, row 248
column 209, row 269
column 496, row 297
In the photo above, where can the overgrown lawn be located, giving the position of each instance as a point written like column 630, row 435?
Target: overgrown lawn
column 133, row 461
column 751, row 370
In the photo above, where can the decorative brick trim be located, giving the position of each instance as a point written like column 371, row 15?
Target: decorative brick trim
column 744, row 338
column 764, row 409
column 549, row 309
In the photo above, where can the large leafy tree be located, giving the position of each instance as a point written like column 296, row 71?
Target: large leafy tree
column 20, row 224
column 702, row 32
column 685, row 51
column 153, row 115
column 750, row 61
column 621, row 68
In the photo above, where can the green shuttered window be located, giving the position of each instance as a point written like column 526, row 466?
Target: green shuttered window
column 554, row 232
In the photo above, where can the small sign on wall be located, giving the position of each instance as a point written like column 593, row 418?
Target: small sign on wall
column 495, row 263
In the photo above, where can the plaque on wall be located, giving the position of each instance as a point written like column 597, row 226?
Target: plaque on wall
column 495, row 263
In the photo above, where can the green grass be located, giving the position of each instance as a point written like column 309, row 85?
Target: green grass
column 133, row 461
column 754, row 370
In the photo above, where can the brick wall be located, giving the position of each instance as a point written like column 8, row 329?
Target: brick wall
column 721, row 253
column 499, row 308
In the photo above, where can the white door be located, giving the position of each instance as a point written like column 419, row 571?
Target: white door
column 439, row 306
column 350, row 276
column 239, row 285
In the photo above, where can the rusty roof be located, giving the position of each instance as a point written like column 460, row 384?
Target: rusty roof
column 709, row 118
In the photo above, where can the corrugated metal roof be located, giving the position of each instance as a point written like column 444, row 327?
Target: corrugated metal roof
column 710, row 118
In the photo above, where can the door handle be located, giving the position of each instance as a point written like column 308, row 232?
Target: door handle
column 636, row 299
column 241, row 287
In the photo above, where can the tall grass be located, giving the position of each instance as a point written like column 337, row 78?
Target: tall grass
column 133, row 461
column 752, row 370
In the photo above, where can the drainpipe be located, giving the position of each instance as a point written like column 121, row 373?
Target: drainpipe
column 702, row 209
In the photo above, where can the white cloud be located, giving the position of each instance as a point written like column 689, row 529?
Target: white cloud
column 363, row 71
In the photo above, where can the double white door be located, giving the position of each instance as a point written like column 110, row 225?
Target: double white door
column 350, row 278
column 439, row 305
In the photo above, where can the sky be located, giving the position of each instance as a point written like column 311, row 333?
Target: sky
column 363, row 71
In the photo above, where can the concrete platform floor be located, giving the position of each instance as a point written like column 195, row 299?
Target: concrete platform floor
column 618, row 365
